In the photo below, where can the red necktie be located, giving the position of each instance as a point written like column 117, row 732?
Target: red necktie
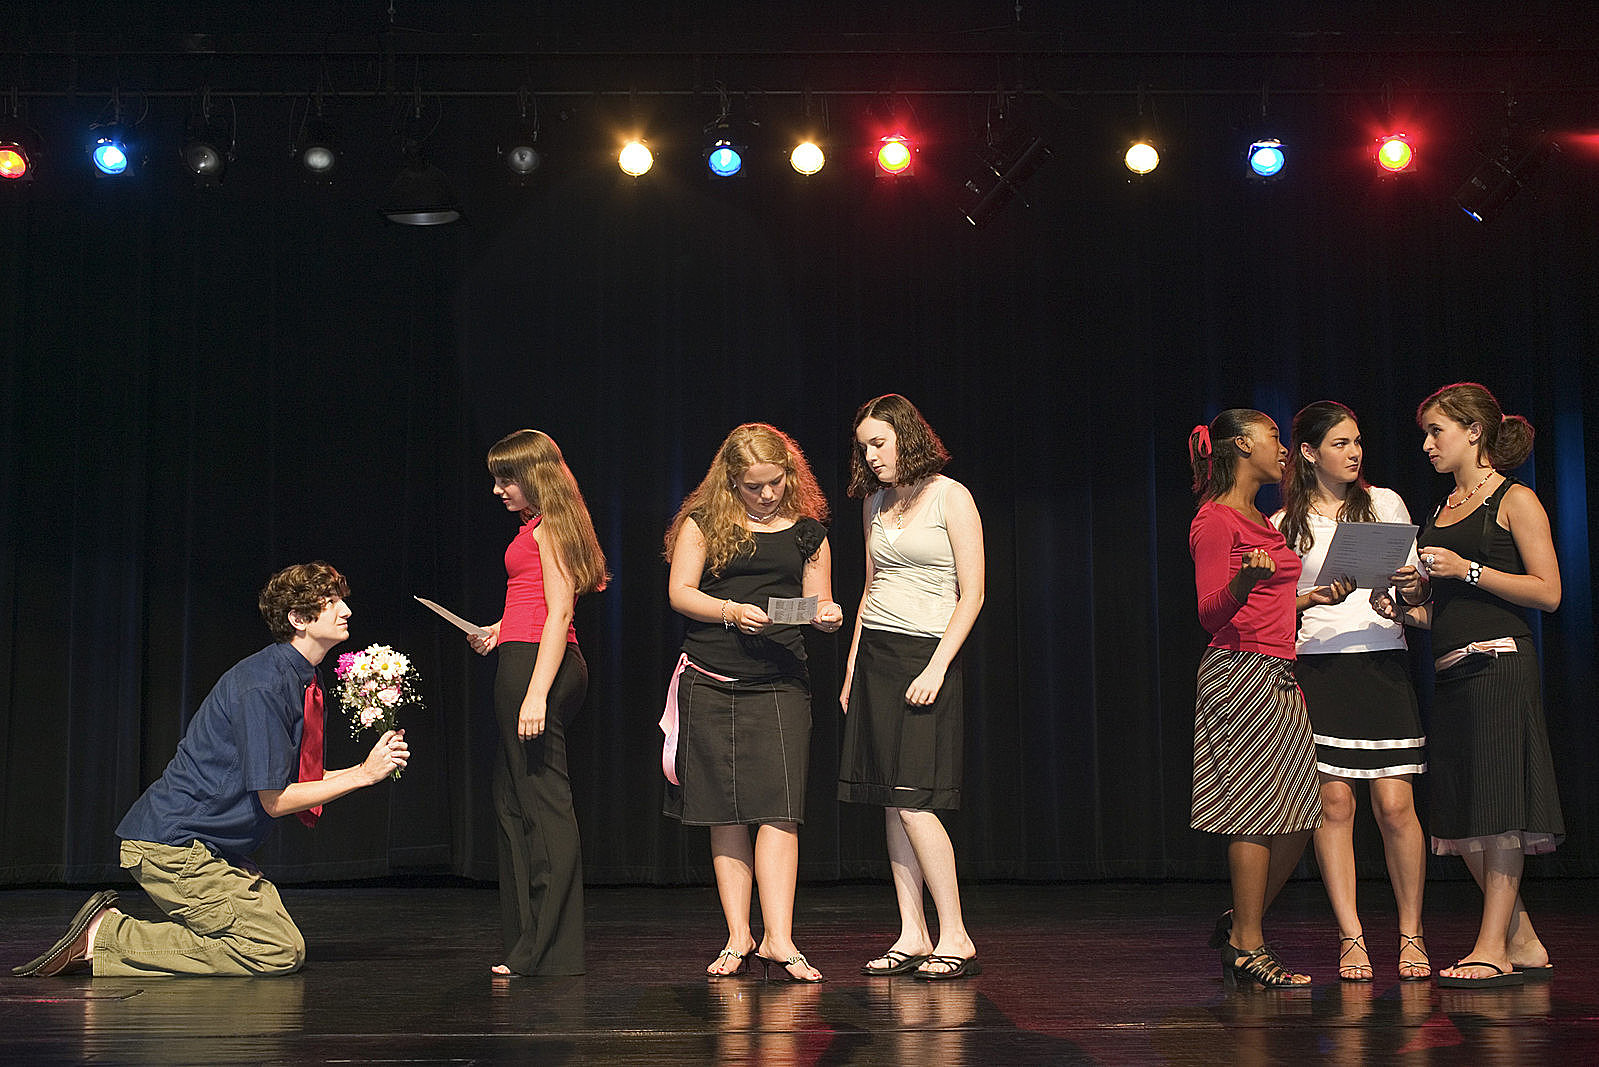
column 311, row 746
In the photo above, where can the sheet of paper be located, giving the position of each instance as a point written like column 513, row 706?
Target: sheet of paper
column 452, row 618
column 1368, row 552
column 789, row 611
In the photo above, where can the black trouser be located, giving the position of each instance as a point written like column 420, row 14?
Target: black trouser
column 541, row 857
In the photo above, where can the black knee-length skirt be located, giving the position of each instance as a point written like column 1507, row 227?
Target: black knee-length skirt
column 1364, row 714
column 743, row 751
column 895, row 754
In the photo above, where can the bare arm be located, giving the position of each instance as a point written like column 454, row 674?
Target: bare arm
column 966, row 540
column 560, row 599
column 683, row 586
column 855, row 642
column 817, row 581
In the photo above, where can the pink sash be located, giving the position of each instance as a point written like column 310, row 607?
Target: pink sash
column 669, row 716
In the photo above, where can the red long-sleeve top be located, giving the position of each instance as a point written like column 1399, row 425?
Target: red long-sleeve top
column 1264, row 622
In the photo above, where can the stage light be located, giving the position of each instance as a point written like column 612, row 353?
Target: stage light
column 635, row 159
column 1500, row 178
column 1395, row 153
column 207, row 145
column 726, row 147
column 316, row 149
column 14, row 163
column 896, row 156
column 110, row 152
column 420, row 194
column 1142, row 157
column 1266, row 158
column 519, row 149
column 1006, row 167
column 807, row 158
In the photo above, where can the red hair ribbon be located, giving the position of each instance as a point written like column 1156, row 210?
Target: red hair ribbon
column 1202, row 444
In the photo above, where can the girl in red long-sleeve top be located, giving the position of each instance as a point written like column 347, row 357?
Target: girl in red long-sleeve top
column 1254, row 759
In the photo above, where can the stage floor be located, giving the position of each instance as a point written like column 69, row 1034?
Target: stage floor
column 1078, row 973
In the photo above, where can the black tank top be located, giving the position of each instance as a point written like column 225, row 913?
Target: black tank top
column 1463, row 613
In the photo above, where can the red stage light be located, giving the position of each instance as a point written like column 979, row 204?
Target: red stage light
column 1395, row 153
column 894, row 156
column 13, row 162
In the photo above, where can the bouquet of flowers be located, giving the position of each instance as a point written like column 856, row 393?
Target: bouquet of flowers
column 374, row 684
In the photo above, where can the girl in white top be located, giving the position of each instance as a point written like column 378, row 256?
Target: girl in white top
column 902, row 694
column 1354, row 670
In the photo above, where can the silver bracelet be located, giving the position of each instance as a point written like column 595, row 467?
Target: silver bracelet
column 1473, row 572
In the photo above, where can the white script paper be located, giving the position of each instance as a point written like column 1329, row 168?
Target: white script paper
column 1368, row 552
column 452, row 618
column 790, row 611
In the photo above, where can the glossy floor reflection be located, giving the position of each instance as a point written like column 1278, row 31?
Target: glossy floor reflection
column 1095, row 973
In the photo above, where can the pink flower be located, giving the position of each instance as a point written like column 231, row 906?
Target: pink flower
column 345, row 662
column 370, row 716
column 389, row 695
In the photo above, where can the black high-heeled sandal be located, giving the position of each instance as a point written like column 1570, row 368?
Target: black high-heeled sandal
column 768, row 963
column 1260, row 966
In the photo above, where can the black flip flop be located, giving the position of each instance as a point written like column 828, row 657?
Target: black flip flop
column 1500, row 979
column 899, row 963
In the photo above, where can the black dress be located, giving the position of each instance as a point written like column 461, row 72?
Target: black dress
column 1492, row 774
column 744, row 739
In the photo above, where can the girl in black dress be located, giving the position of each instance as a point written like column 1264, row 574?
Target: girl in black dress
column 1488, row 558
column 738, row 716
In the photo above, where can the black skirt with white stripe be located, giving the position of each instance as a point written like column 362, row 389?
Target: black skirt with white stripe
column 1254, row 760
column 1363, row 711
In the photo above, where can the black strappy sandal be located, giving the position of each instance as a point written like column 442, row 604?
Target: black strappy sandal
column 1358, row 941
column 1260, row 966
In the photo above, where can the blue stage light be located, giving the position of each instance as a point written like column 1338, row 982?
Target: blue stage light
column 110, row 154
column 1266, row 158
column 724, row 159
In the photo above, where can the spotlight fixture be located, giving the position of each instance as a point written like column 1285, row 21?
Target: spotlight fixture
column 1006, row 167
column 519, row 150
column 1395, row 153
column 1266, row 158
column 807, row 158
column 315, row 146
column 110, row 151
column 19, row 147
column 420, row 194
column 635, row 159
column 1501, row 177
column 724, row 157
column 1141, row 156
column 207, row 145
column 896, row 156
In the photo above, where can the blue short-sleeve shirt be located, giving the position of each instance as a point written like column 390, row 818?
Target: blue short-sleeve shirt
column 244, row 738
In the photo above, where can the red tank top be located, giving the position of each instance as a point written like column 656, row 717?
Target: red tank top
column 525, row 610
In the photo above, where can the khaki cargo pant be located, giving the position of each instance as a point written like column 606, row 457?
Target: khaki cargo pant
column 225, row 919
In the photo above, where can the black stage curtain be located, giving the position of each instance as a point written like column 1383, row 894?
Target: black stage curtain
column 203, row 386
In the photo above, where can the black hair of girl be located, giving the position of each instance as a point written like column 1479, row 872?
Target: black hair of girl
column 1213, row 451
column 1311, row 427
column 1506, row 440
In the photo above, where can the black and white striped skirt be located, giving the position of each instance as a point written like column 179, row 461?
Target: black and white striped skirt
column 1254, row 760
column 1364, row 714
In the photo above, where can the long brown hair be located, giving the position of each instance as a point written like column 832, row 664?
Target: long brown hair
column 715, row 505
column 918, row 450
column 533, row 461
column 1311, row 427
column 1213, row 453
column 1506, row 440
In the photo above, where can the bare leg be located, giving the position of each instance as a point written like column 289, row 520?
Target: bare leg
column 930, row 842
column 1393, row 801
column 776, row 872
column 1260, row 866
column 914, row 939
column 1335, row 855
column 733, row 860
column 1522, row 945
